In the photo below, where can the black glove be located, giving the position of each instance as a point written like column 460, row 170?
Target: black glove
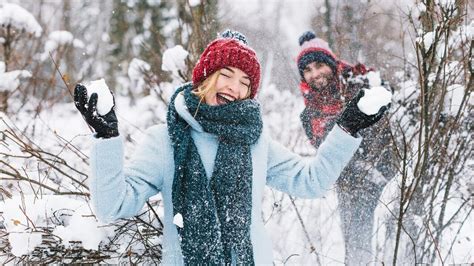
column 353, row 119
column 106, row 126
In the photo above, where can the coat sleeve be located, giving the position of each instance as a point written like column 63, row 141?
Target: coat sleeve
column 118, row 191
column 310, row 177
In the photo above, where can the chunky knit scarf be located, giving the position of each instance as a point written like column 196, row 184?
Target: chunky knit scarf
column 217, row 212
column 319, row 116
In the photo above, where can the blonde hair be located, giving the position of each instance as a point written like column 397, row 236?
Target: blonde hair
column 209, row 85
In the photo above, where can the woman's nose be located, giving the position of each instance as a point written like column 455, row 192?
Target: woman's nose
column 234, row 85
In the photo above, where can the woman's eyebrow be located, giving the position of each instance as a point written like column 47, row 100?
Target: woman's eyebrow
column 246, row 77
column 229, row 69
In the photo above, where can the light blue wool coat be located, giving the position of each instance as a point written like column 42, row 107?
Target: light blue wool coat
column 120, row 191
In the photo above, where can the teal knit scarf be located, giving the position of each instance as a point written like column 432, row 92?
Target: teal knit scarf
column 216, row 214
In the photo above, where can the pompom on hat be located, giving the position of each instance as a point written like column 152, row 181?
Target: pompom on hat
column 314, row 49
column 230, row 49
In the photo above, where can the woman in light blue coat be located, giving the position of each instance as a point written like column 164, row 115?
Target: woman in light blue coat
column 211, row 162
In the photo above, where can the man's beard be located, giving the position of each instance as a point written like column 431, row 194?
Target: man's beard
column 327, row 90
column 318, row 83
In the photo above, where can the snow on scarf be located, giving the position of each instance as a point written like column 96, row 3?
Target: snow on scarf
column 320, row 113
column 216, row 214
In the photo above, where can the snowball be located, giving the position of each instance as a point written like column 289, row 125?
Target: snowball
column 178, row 220
column 19, row 18
column 174, row 59
column 105, row 100
column 373, row 99
column 374, row 79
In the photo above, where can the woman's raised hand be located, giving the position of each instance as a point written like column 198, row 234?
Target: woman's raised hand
column 106, row 126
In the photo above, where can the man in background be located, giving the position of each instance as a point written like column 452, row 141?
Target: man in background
column 327, row 84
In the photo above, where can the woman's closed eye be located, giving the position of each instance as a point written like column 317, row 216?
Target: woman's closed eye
column 246, row 84
column 225, row 75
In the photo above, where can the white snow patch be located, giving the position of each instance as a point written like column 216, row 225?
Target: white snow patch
column 105, row 100
column 469, row 29
column 421, row 7
column 61, row 37
column 137, row 73
column 374, row 79
column 426, row 39
column 453, row 100
column 446, row 3
column 23, row 214
column 137, row 67
column 153, row 2
column 174, row 59
column 323, row 10
column 78, row 43
column 10, row 80
column 19, row 18
column 81, row 228
column 24, row 243
column 57, row 39
column 194, row 3
column 374, row 98
column 178, row 220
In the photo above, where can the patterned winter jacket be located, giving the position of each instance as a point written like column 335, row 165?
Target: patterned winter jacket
column 120, row 191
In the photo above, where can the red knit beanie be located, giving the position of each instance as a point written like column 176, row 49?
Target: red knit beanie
column 229, row 50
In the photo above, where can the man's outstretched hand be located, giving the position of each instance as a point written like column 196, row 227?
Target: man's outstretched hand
column 353, row 119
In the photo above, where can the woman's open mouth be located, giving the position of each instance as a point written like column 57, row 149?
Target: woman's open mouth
column 223, row 98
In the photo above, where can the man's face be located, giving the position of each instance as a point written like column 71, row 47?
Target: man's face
column 318, row 75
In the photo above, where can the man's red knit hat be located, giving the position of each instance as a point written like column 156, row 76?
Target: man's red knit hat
column 230, row 49
column 314, row 49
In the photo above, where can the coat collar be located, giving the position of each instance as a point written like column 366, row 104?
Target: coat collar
column 183, row 111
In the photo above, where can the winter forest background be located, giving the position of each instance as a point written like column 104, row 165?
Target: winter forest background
column 423, row 48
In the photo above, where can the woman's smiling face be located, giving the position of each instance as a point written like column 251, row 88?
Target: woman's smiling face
column 232, row 84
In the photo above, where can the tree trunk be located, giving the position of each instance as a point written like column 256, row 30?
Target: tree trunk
column 328, row 22
column 3, row 101
column 352, row 10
